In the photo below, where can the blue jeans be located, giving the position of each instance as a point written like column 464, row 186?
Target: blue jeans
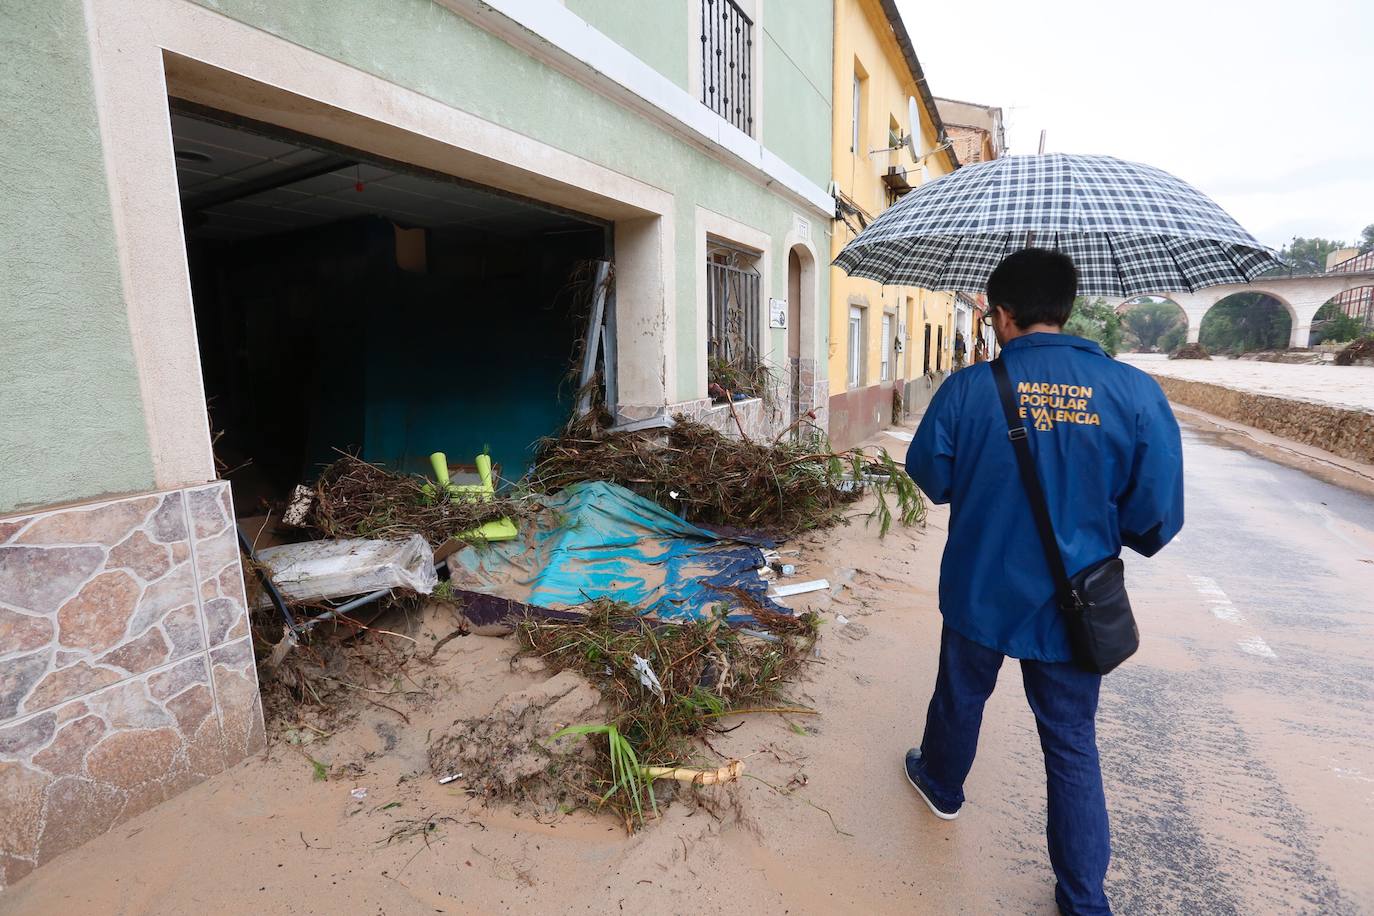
column 1064, row 700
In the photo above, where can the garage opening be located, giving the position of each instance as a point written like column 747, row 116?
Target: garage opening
column 346, row 302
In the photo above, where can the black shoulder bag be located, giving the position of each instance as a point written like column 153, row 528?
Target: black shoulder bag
column 1096, row 609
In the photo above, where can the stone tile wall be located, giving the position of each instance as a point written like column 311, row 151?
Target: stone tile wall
column 126, row 670
column 757, row 420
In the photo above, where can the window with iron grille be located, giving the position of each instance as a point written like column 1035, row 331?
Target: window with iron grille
column 727, row 55
column 733, row 313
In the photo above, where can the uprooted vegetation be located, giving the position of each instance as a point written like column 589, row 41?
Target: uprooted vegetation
column 1362, row 349
column 626, row 718
column 701, row 671
column 1191, row 351
column 783, row 487
column 354, row 498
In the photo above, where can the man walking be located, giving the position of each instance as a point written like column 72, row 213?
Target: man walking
column 1109, row 456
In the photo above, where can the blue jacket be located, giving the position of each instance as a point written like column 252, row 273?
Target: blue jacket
column 1111, row 462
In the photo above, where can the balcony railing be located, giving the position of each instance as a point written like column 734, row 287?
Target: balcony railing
column 1357, row 303
column 727, row 55
column 1359, row 263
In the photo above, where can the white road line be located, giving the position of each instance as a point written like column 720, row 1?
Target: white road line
column 899, row 434
column 1352, row 773
column 1256, row 645
column 1221, row 606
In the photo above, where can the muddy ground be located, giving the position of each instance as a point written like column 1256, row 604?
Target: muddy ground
column 1237, row 757
column 822, row 818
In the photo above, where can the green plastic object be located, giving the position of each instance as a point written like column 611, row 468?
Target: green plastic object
column 502, row 529
column 439, row 462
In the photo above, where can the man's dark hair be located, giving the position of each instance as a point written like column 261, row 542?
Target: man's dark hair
column 1035, row 285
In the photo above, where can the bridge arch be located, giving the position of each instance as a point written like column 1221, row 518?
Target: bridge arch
column 1300, row 297
column 1262, row 320
column 1156, row 323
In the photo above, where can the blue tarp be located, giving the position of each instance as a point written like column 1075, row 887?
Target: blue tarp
column 601, row 540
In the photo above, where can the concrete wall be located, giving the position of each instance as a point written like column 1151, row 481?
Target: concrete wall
column 657, row 33
column 858, row 413
column 793, row 47
column 918, row 392
column 71, row 420
column 1345, row 432
column 797, row 55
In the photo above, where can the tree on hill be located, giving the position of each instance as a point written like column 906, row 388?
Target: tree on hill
column 1367, row 239
column 1308, row 256
column 1245, row 322
column 1332, row 324
column 1149, row 320
column 1173, row 338
column 1095, row 320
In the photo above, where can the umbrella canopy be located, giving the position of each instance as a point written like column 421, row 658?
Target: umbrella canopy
column 1131, row 229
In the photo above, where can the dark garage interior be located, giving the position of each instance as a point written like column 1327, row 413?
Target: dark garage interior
column 346, row 303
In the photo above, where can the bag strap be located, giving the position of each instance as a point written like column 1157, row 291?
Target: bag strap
column 1035, row 492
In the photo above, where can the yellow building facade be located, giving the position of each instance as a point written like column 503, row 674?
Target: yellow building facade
column 894, row 338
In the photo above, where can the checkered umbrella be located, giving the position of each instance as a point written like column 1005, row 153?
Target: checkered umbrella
column 1131, row 229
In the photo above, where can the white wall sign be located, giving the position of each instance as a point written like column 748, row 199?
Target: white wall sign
column 801, row 226
column 777, row 313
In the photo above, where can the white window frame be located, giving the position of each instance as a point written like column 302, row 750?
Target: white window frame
column 854, row 117
column 855, row 345
column 885, row 353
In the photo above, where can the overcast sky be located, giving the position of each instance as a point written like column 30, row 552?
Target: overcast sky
column 1266, row 107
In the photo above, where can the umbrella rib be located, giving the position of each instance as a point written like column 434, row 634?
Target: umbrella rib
column 949, row 258
column 1240, row 271
column 1177, row 266
column 1116, row 262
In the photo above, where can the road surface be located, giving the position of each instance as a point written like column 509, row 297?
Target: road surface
column 1239, row 747
column 1238, row 752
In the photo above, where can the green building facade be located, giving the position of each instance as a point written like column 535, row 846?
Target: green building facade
column 252, row 230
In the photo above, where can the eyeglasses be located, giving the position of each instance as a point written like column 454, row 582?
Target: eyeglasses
column 986, row 320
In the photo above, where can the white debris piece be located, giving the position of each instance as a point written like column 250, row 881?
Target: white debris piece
column 298, row 509
column 315, row 570
column 648, row 678
column 799, row 588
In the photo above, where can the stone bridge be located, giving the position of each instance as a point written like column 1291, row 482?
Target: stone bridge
column 1301, row 296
